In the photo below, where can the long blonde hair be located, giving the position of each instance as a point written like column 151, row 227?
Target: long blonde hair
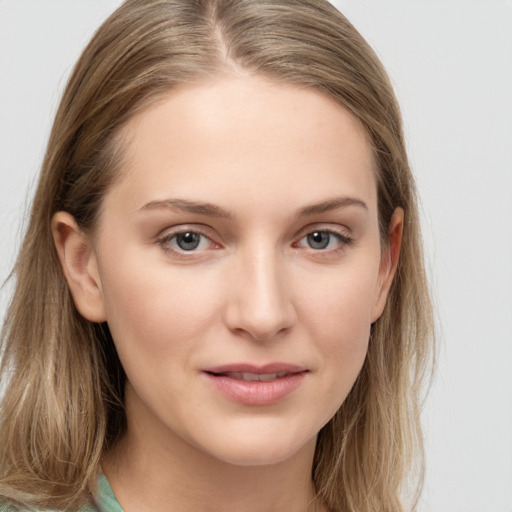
column 63, row 405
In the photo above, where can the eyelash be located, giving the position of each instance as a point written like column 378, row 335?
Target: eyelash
column 166, row 243
column 344, row 240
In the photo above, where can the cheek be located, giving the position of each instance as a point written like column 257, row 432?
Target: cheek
column 343, row 332
column 340, row 302
column 338, row 312
column 156, row 305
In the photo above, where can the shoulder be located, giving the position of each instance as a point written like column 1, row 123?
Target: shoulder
column 9, row 507
column 105, row 498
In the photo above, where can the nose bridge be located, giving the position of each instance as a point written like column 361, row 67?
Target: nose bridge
column 260, row 302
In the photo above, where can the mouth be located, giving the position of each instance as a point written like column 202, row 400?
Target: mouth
column 251, row 377
column 252, row 385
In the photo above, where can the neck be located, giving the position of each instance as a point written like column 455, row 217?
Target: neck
column 153, row 469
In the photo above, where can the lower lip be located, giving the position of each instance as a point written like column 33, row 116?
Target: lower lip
column 256, row 392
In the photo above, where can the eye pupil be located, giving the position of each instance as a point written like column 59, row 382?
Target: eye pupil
column 188, row 241
column 318, row 239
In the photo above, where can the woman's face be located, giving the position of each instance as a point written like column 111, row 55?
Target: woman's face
column 239, row 267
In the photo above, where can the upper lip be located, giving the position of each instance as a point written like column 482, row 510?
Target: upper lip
column 256, row 369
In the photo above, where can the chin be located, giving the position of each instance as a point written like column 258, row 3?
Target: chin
column 263, row 450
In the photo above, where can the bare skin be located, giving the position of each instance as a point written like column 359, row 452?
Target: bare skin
column 242, row 233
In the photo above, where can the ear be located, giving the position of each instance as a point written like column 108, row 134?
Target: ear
column 78, row 261
column 389, row 262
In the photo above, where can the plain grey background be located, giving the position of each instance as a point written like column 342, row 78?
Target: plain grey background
column 451, row 64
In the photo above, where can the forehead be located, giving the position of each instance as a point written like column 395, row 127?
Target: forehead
column 250, row 137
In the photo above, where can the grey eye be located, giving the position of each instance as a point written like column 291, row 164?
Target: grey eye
column 319, row 239
column 188, row 241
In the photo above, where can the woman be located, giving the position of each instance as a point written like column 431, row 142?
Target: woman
column 220, row 300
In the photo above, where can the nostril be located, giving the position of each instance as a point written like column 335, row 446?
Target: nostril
column 260, row 334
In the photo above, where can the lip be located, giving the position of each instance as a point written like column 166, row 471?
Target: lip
column 255, row 392
column 258, row 369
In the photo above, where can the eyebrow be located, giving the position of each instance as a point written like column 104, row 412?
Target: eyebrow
column 212, row 210
column 198, row 208
column 332, row 204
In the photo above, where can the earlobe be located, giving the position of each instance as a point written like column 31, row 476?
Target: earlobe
column 389, row 262
column 79, row 265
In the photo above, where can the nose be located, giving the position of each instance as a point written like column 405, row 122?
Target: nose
column 259, row 304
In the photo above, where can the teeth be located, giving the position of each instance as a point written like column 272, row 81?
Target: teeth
column 255, row 376
column 267, row 376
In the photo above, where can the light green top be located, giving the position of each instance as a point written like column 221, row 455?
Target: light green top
column 105, row 501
